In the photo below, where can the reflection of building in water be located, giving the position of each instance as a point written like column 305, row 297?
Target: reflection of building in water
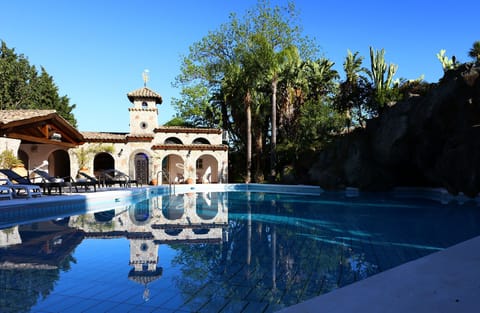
column 41, row 245
column 184, row 218
column 195, row 217
column 10, row 237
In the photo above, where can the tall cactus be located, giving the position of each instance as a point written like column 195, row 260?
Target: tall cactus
column 447, row 63
column 377, row 73
column 379, row 68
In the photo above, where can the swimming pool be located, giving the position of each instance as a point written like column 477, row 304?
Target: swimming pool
column 202, row 251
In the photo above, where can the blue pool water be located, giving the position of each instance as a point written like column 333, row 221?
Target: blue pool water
column 214, row 251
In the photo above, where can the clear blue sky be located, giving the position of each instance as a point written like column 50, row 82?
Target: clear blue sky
column 96, row 50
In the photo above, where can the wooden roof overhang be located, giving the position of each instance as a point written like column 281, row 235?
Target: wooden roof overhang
column 190, row 147
column 40, row 127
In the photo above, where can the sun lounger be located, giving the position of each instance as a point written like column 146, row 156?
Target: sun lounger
column 112, row 177
column 20, row 190
column 16, row 179
column 5, row 193
column 84, row 180
column 51, row 182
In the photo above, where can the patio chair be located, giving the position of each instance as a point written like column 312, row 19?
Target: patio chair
column 21, row 190
column 51, row 182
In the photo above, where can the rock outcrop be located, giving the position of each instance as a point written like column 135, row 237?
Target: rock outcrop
column 429, row 141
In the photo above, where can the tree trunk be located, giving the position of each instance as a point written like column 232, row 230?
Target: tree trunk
column 258, row 157
column 248, row 112
column 273, row 143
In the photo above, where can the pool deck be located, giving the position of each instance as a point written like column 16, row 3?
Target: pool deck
column 445, row 281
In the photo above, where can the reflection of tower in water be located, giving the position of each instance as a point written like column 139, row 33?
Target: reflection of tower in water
column 185, row 218
column 143, row 250
column 144, row 259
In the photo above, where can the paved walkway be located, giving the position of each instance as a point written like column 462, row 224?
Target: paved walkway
column 446, row 281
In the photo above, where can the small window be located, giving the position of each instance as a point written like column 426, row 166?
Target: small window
column 199, row 164
column 144, row 105
column 143, row 125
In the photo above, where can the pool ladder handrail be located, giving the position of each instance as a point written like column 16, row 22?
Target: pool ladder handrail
column 167, row 178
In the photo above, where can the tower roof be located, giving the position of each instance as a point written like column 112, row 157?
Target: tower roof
column 144, row 93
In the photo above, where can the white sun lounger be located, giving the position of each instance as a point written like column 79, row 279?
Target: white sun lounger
column 20, row 190
column 5, row 193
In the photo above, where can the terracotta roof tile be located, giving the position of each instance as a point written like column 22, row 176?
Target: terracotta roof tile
column 190, row 147
column 7, row 116
column 104, row 136
column 182, row 129
column 144, row 92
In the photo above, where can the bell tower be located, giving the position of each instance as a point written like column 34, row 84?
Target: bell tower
column 144, row 112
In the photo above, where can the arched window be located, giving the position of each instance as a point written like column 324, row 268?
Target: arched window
column 201, row 141
column 144, row 105
column 173, row 141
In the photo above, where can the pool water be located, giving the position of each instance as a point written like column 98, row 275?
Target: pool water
column 216, row 251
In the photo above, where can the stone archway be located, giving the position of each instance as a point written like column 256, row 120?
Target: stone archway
column 59, row 163
column 103, row 161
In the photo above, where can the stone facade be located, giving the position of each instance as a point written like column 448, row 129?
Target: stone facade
column 153, row 154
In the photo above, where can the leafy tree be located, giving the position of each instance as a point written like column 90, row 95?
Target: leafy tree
column 178, row 121
column 22, row 87
column 15, row 75
column 234, row 70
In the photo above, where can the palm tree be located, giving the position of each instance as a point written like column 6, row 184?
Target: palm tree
column 281, row 62
column 352, row 67
column 272, row 66
column 249, row 79
column 352, row 92
column 475, row 51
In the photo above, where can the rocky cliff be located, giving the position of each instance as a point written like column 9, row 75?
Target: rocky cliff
column 431, row 141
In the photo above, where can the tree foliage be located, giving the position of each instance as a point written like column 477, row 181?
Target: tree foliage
column 258, row 78
column 474, row 52
column 251, row 77
column 23, row 87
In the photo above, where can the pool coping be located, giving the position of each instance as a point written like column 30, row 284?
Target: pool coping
column 445, row 281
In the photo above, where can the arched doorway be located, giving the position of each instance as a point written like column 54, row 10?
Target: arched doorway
column 59, row 163
column 141, row 168
column 173, row 169
column 207, row 169
column 103, row 161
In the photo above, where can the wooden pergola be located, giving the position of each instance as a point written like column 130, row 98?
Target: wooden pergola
column 40, row 127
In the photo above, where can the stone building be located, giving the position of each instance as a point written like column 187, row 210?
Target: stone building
column 148, row 153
